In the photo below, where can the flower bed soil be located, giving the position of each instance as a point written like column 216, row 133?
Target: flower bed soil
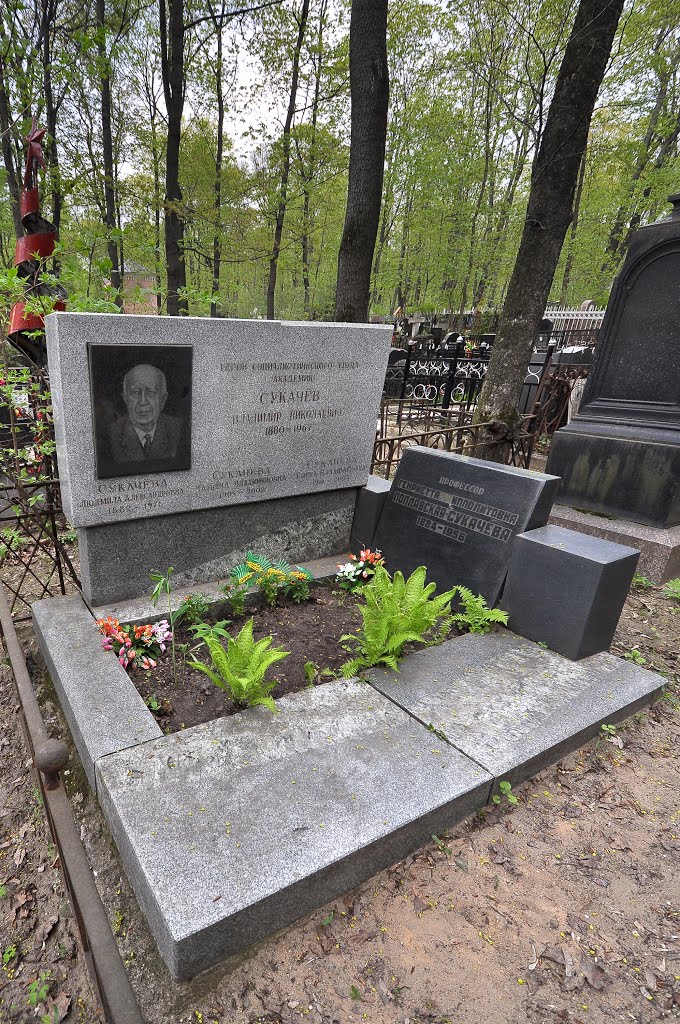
column 311, row 631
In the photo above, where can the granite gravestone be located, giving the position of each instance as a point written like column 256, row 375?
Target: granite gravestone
column 620, row 454
column 184, row 440
column 458, row 516
column 567, row 590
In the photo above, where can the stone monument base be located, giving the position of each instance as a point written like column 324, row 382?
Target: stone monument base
column 202, row 546
column 659, row 548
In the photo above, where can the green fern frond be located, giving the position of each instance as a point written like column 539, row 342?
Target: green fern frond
column 241, row 668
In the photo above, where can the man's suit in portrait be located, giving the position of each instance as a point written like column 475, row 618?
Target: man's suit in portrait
column 125, row 444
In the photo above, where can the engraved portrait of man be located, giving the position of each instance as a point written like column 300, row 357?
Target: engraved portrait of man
column 146, row 432
column 141, row 415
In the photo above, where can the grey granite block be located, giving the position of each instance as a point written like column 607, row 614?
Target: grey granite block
column 369, row 505
column 510, row 705
column 231, row 830
column 567, row 590
column 242, row 411
column 204, row 545
column 103, row 709
column 458, row 516
column 659, row 548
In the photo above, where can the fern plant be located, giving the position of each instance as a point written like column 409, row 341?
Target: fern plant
column 398, row 611
column 476, row 614
column 241, row 668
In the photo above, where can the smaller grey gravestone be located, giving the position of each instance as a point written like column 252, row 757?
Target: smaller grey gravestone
column 567, row 590
column 458, row 516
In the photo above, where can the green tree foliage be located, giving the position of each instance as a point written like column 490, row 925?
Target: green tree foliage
column 470, row 87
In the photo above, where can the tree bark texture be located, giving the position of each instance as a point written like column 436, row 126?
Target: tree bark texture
column 551, row 198
column 369, row 90
column 13, row 172
column 107, row 152
column 285, row 163
column 172, row 64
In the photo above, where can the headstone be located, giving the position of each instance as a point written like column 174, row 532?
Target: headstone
column 567, row 590
column 620, row 454
column 370, row 503
column 458, row 516
column 173, row 431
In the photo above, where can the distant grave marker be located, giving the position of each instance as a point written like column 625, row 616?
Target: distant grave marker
column 459, row 516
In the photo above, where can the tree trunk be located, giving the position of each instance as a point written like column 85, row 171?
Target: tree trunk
column 217, row 242
column 369, row 90
column 308, row 171
column 285, row 163
column 48, row 12
column 569, row 262
column 172, row 65
column 549, row 212
column 7, row 154
column 107, row 152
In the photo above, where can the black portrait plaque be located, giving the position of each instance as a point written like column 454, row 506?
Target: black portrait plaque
column 141, row 408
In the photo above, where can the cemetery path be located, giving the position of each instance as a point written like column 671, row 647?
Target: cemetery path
column 563, row 908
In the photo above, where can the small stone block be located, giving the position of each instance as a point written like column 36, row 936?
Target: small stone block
column 103, row 709
column 512, row 706
column 231, row 830
column 567, row 590
column 369, row 505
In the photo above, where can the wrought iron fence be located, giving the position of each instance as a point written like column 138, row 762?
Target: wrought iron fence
column 450, row 430
column 35, row 560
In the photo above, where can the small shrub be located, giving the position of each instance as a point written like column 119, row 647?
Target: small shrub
column 236, row 594
column 271, row 578
column 241, row 668
column 505, row 791
column 476, row 614
column 397, row 611
column 640, row 582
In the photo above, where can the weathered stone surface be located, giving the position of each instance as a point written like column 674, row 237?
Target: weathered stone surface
column 620, row 454
column 510, row 705
column 370, row 503
column 458, row 516
column 103, row 710
column 567, row 590
column 273, row 409
column 659, row 548
column 233, row 829
column 204, row 545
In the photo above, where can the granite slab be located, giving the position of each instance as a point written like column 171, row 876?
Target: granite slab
column 458, row 516
column 204, row 545
column 161, row 415
column 233, row 829
column 103, row 709
column 511, row 705
column 659, row 548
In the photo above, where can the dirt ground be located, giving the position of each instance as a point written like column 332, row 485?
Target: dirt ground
column 565, row 908
column 310, row 632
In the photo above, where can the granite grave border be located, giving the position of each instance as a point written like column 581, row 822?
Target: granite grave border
column 124, row 752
